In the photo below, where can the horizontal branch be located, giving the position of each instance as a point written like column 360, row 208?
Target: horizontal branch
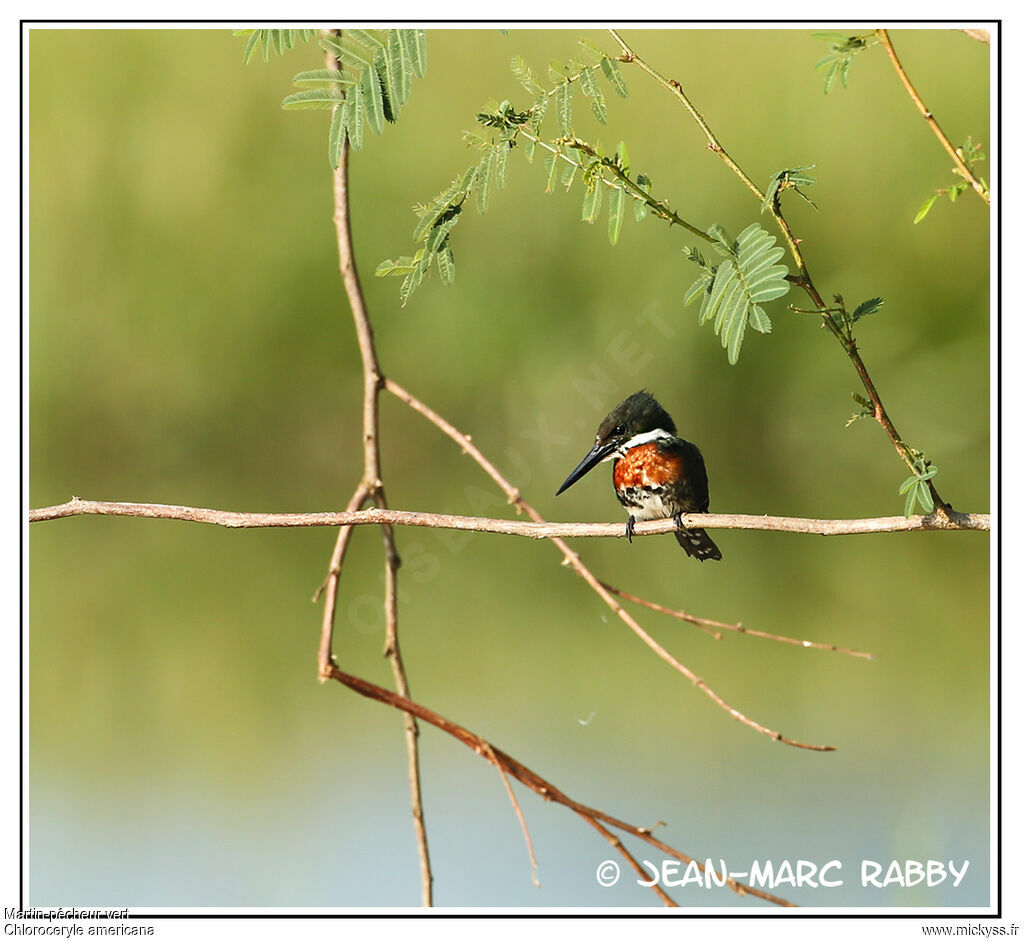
column 377, row 517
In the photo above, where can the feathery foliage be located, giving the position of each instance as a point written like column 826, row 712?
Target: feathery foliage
column 916, row 487
column 272, row 40
column 371, row 88
column 733, row 291
column 789, row 179
column 971, row 154
column 511, row 129
column 842, row 49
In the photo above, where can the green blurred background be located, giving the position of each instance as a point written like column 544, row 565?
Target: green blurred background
column 190, row 343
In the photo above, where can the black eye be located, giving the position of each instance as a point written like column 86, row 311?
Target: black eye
column 619, row 430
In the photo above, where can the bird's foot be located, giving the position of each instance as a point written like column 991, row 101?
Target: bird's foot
column 629, row 528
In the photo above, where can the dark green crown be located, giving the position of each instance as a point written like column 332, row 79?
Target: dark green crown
column 637, row 414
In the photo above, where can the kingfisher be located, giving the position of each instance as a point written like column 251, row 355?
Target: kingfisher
column 655, row 473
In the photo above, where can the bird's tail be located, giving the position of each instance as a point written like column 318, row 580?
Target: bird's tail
column 698, row 544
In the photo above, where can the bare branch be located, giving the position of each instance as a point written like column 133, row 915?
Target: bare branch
column 957, row 158
column 708, row 625
column 531, row 779
column 982, row 35
column 373, row 486
column 493, row 759
column 534, row 530
column 330, row 585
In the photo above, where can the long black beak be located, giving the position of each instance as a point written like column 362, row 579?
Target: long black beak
column 597, row 454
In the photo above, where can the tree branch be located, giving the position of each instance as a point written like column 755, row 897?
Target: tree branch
column 709, row 626
column 508, row 765
column 372, row 487
column 957, row 158
column 843, row 334
column 534, row 530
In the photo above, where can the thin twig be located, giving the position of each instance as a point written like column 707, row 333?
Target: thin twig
column 330, row 585
column 955, row 155
column 493, row 759
column 531, row 779
column 372, row 482
column 982, row 35
column 631, row 859
column 707, row 624
column 538, row 529
column 628, row 186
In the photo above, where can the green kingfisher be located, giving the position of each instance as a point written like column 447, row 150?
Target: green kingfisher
column 656, row 474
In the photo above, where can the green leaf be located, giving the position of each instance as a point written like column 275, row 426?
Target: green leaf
column 698, row 287
column 616, row 204
column 835, row 38
column 867, row 307
column 364, row 38
column 639, row 206
column 397, row 59
column 336, row 137
column 418, row 51
column 401, row 48
column 272, row 40
column 790, row 178
column 415, row 277
column 312, row 98
column 830, row 77
column 759, row 319
column 429, row 216
column 250, row 46
column 908, row 483
column 344, row 53
column 746, row 278
column 501, row 163
column 563, row 104
column 537, row 112
column 569, row 174
column 622, row 157
column 446, row 264
column 389, row 268
column 484, row 175
column 594, row 52
column 323, row 77
column 592, row 90
column 734, row 334
column 925, row 208
column 372, row 99
column 722, row 240
column 439, row 233
column 908, row 506
column 842, row 50
column 525, row 77
column 592, row 202
column 614, row 75
column 551, row 165
column 924, row 496
column 355, row 105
